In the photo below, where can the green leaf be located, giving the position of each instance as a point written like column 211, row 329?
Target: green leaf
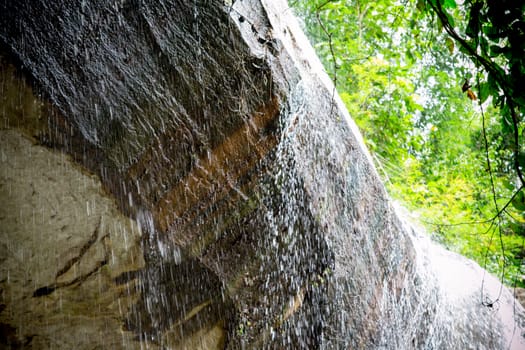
column 450, row 45
column 508, row 185
column 492, row 32
column 450, row 20
column 410, row 56
column 520, row 100
column 519, row 201
column 483, row 43
column 493, row 84
column 472, row 29
column 484, row 91
column 521, row 158
column 506, row 120
column 495, row 50
column 421, row 5
column 449, row 4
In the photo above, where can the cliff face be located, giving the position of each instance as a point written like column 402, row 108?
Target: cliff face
column 180, row 175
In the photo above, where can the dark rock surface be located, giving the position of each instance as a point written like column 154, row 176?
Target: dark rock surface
column 180, row 175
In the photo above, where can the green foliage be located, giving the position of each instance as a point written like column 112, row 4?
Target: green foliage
column 403, row 69
column 493, row 38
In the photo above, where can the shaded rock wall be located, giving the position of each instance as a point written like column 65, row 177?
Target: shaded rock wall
column 181, row 175
column 209, row 126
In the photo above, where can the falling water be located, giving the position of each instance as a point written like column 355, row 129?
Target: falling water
column 256, row 219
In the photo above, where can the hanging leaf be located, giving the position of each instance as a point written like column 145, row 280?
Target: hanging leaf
column 519, row 200
column 484, row 91
column 450, row 45
column 471, row 95
column 449, row 4
column 421, row 5
column 506, row 120
column 466, row 85
column 472, row 29
column 508, row 185
column 409, row 56
column 484, row 44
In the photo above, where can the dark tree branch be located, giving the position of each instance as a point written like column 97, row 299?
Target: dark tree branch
column 491, row 68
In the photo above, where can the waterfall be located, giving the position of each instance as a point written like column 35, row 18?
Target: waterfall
column 215, row 193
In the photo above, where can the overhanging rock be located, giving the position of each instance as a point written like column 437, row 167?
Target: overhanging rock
column 256, row 218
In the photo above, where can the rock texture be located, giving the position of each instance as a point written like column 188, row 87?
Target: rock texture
column 181, row 175
column 63, row 242
column 195, row 118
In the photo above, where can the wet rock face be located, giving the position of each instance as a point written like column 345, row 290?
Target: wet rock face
column 179, row 175
column 62, row 242
column 200, row 186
